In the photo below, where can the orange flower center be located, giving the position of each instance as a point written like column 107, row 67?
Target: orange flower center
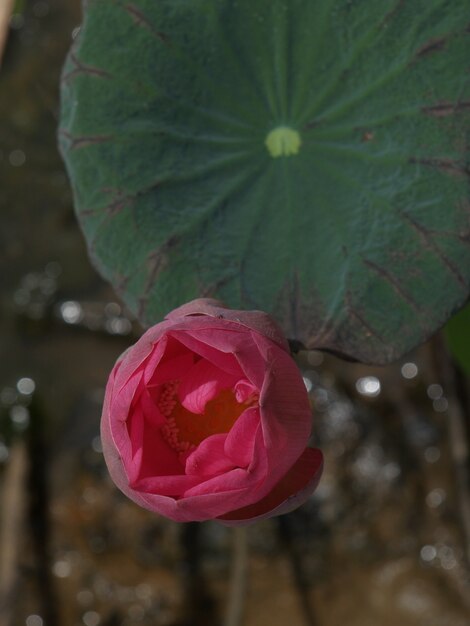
column 185, row 430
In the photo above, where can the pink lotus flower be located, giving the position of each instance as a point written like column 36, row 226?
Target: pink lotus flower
column 207, row 417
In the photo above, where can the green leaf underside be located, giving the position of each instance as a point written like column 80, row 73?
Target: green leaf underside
column 358, row 241
column 457, row 332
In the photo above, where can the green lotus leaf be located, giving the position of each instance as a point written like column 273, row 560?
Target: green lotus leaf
column 304, row 157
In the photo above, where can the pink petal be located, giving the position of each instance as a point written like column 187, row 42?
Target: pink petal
column 289, row 493
column 135, row 428
column 200, row 306
column 223, row 345
column 112, row 450
column 242, row 485
column 152, row 458
column 209, row 458
column 231, row 485
column 172, row 486
column 171, row 369
column 254, row 320
column 150, row 409
column 244, row 390
column 202, row 383
column 129, row 473
column 123, row 398
column 286, row 415
column 240, row 441
column 224, row 359
column 134, row 358
column 154, row 358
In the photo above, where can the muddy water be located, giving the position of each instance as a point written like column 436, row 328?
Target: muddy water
column 380, row 542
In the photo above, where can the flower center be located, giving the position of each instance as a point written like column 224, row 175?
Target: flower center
column 185, row 430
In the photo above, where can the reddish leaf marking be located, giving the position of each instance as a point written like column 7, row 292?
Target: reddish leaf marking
column 82, row 68
column 448, row 166
column 83, row 141
column 352, row 311
column 312, row 124
column 433, row 45
column 386, row 275
column 443, row 109
column 391, row 14
column 432, row 246
column 211, row 290
column 120, row 283
column 157, row 260
column 367, row 136
column 141, row 20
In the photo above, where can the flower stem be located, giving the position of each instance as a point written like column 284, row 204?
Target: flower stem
column 239, row 579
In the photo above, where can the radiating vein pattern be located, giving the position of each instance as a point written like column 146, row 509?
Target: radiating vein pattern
column 305, row 157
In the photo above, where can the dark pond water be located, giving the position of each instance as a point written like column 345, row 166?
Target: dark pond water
column 381, row 541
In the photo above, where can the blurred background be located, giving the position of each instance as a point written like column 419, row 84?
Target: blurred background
column 384, row 540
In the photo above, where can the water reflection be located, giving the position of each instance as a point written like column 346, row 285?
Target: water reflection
column 409, row 370
column 435, row 498
column 432, row 454
column 26, row 386
column 368, row 386
column 17, row 158
column 85, row 597
column 440, row 405
column 19, row 415
column 428, row 553
column 434, row 391
column 71, row 312
column 91, row 618
column 62, row 569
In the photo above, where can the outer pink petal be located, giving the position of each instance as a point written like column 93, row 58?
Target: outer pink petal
column 223, row 359
column 291, row 492
column 112, row 446
column 216, row 343
column 202, row 383
column 123, row 398
column 254, row 320
column 285, row 411
column 135, row 357
column 155, row 357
